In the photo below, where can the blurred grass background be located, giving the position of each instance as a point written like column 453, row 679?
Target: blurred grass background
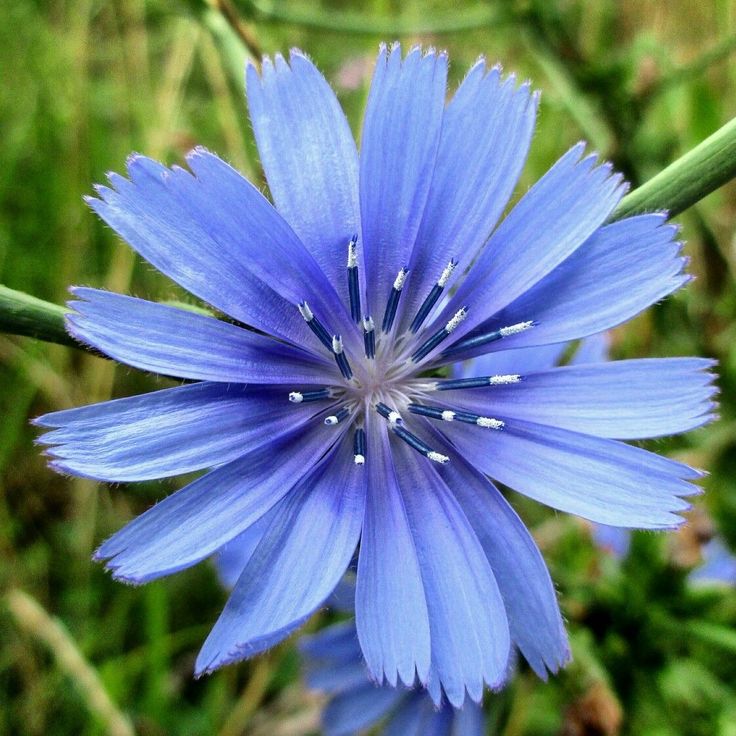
column 84, row 83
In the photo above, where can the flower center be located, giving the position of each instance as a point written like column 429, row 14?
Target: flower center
column 385, row 379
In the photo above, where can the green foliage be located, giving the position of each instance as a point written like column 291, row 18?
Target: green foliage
column 87, row 82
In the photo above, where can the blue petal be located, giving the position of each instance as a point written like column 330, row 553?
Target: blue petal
column 194, row 522
column 486, row 132
column 528, row 594
column 509, row 362
column 269, row 246
column 599, row 479
column 216, row 235
column 309, row 156
column 593, row 349
column 357, row 709
column 719, row 565
column 401, row 132
column 337, row 643
column 297, row 564
column 612, row 539
column 173, row 223
column 170, row 432
column 333, row 659
column 391, row 612
column 338, row 677
column 621, row 270
column 558, row 214
column 233, row 556
column 467, row 619
column 625, row 399
column 175, row 342
column 413, row 717
column 469, row 721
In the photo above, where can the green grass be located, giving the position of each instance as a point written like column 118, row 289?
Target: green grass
column 85, row 82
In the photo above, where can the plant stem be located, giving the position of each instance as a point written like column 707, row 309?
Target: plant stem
column 23, row 314
column 688, row 179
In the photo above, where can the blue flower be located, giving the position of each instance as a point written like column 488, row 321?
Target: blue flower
column 334, row 665
column 325, row 421
column 718, row 566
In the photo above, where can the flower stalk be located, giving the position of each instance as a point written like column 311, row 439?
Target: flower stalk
column 23, row 314
column 702, row 170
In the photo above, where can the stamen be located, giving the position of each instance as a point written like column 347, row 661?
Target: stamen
column 394, row 418
column 341, row 358
column 337, row 417
column 369, row 337
column 315, row 325
column 440, row 335
column 297, row 397
column 413, row 441
column 393, row 300
column 479, row 382
column 490, row 423
column 359, row 446
column 353, row 286
column 474, row 342
column 433, row 296
column 434, row 412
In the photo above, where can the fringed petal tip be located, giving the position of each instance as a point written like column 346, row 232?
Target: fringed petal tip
column 117, row 569
column 396, row 678
column 47, row 422
column 551, row 665
column 208, row 661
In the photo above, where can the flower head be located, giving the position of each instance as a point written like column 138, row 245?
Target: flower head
column 327, row 421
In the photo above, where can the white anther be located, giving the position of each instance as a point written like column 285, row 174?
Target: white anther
column 306, row 312
column 445, row 276
column 352, row 254
column 489, row 423
column 438, row 457
column 296, row 397
column 503, row 380
column 369, row 324
column 331, row 421
column 337, row 344
column 400, row 279
column 359, row 459
column 516, row 329
column 394, row 418
column 457, row 318
column 448, row 416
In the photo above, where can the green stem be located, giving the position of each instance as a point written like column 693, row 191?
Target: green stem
column 309, row 15
column 687, row 180
column 23, row 314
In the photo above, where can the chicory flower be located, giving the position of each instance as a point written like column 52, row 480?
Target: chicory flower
column 318, row 402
